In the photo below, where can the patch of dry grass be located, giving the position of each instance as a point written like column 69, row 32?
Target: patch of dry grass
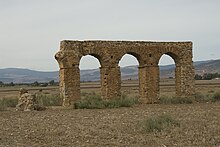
column 8, row 102
column 159, row 123
column 94, row 101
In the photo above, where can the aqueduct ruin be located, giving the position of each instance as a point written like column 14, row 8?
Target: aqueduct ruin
column 109, row 54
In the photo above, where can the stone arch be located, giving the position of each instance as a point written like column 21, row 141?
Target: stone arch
column 137, row 56
column 93, row 55
column 132, row 57
column 182, row 60
column 134, row 54
column 174, row 59
column 175, row 54
column 90, row 59
column 141, row 73
column 109, row 53
column 130, row 54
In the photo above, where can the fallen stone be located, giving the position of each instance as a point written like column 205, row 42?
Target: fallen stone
column 27, row 102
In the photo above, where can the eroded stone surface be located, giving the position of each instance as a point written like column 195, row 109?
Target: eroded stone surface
column 109, row 53
column 27, row 101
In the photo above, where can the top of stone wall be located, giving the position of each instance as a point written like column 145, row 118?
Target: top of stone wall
column 109, row 43
column 125, row 42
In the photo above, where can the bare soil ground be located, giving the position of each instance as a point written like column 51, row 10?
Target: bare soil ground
column 167, row 87
column 57, row 126
column 199, row 126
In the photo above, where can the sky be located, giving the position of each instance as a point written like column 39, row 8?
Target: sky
column 31, row 30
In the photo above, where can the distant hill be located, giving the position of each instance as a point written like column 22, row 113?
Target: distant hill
column 19, row 75
column 201, row 67
column 212, row 66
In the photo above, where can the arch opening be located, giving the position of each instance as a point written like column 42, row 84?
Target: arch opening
column 129, row 75
column 167, row 75
column 89, row 75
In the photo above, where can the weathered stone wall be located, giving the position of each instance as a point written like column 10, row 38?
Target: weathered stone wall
column 109, row 53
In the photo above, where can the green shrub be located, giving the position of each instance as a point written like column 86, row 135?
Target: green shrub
column 84, row 93
column 8, row 102
column 165, row 100
column 216, row 96
column 175, row 100
column 93, row 102
column 2, row 106
column 48, row 100
column 96, row 102
column 199, row 97
column 211, row 91
column 88, row 93
column 159, row 123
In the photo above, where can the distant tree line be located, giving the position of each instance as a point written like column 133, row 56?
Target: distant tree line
column 6, row 84
column 207, row 76
column 34, row 84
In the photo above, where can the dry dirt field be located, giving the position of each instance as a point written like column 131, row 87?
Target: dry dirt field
column 57, row 126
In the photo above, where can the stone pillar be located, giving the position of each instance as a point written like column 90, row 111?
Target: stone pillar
column 142, row 77
column 178, row 80
column 110, row 82
column 185, row 84
column 153, row 83
column 70, row 85
column 149, row 84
